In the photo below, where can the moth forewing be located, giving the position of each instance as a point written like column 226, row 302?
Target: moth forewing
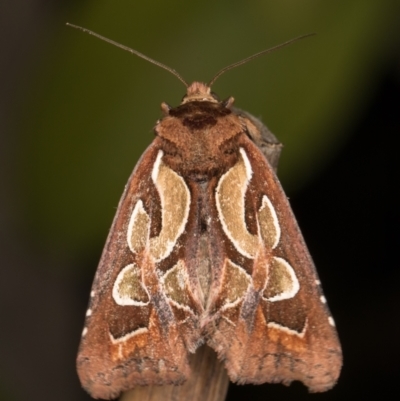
column 284, row 330
column 123, row 328
column 204, row 248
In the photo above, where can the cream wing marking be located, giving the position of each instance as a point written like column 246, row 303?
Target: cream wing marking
column 231, row 190
column 128, row 288
column 175, row 202
column 138, row 228
column 176, row 285
column 269, row 224
column 174, row 194
column 282, row 281
column 230, row 196
column 235, row 284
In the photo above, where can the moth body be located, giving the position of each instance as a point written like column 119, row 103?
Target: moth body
column 204, row 248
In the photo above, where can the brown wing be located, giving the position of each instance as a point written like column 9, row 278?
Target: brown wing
column 133, row 332
column 270, row 321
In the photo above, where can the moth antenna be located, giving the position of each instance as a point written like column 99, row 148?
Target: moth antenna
column 128, row 49
column 247, row 59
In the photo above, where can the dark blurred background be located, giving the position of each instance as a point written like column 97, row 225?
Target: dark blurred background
column 76, row 113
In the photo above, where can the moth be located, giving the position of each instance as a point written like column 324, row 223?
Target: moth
column 204, row 248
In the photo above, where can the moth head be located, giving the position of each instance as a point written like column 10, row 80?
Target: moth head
column 199, row 92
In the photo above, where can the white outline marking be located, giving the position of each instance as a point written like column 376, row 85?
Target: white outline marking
column 84, row 331
column 266, row 202
column 126, row 337
column 92, row 294
column 126, row 301
column 331, row 321
column 180, row 306
column 89, row 312
column 249, row 170
column 317, row 282
column 323, row 299
column 229, row 321
column 228, row 305
column 137, row 209
column 156, row 167
column 286, row 330
column 295, row 284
